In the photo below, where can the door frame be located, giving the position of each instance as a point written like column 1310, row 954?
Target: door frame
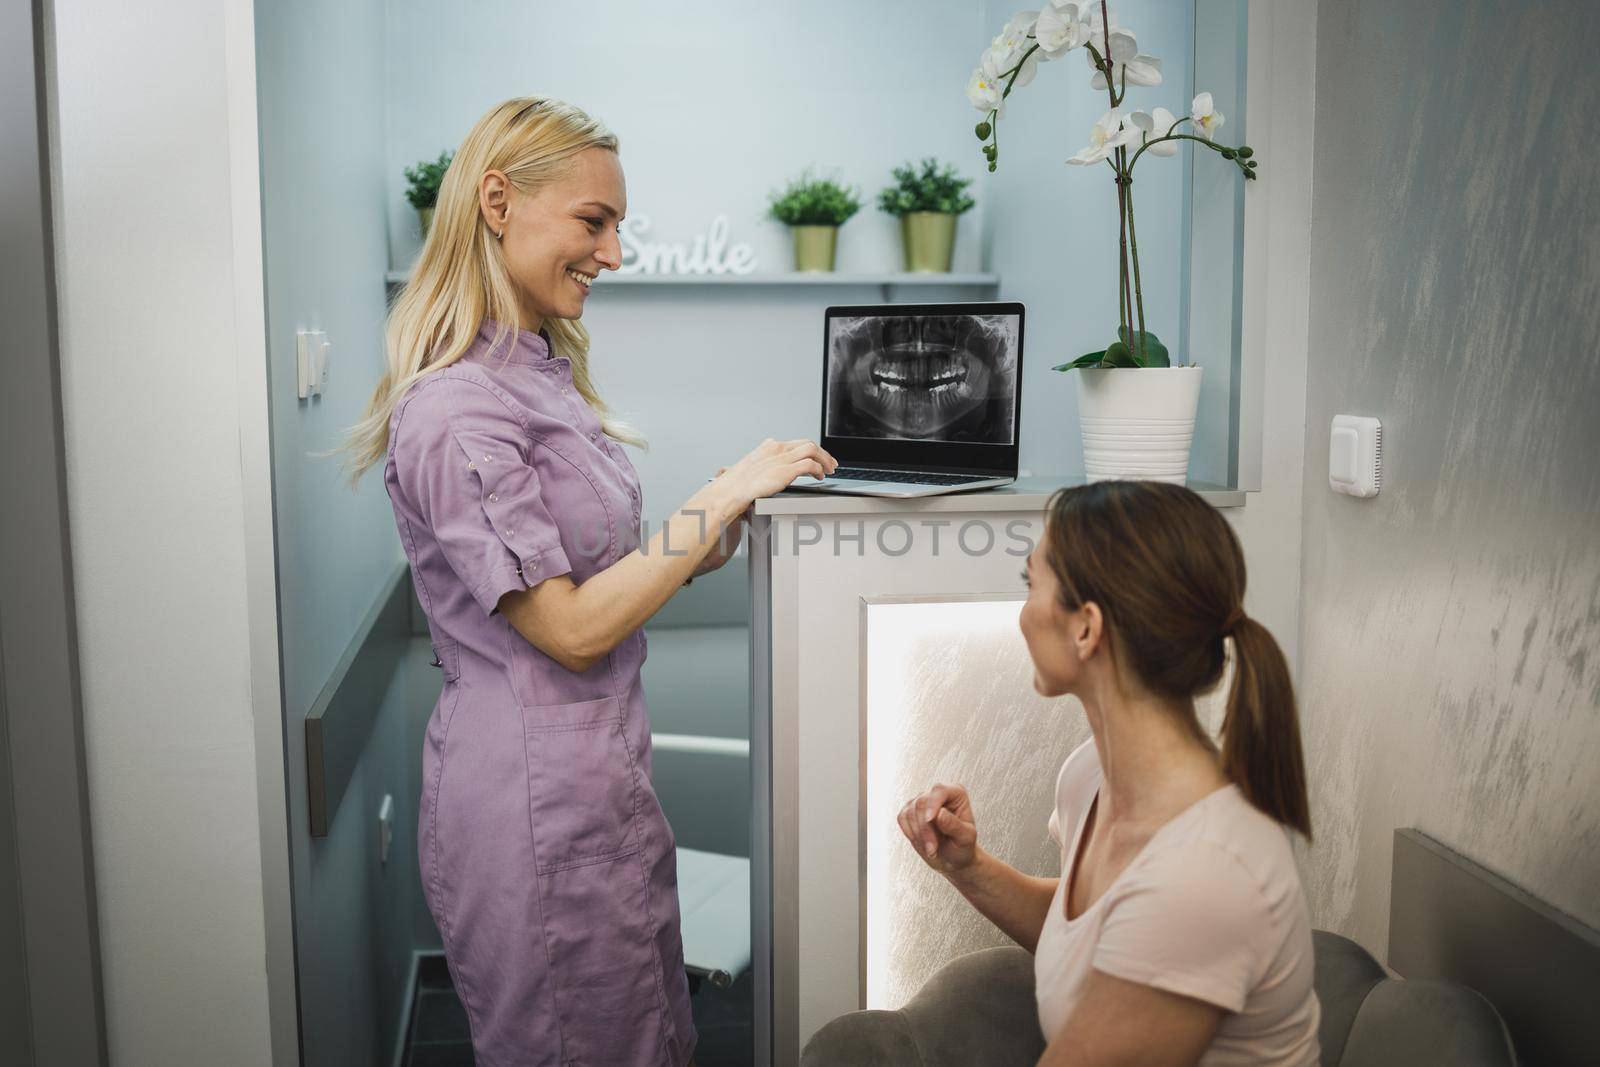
column 52, row 986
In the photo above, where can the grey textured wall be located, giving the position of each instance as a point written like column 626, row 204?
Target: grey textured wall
column 1449, row 675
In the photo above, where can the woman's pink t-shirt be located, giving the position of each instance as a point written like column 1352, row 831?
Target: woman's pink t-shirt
column 1211, row 909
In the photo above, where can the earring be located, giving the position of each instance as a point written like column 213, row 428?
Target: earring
column 499, row 234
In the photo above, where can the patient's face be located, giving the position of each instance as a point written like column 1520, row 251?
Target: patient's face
column 1047, row 628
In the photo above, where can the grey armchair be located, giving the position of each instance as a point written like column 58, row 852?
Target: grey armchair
column 980, row 1010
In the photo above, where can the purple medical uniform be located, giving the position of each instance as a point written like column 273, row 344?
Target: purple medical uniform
column 546, row 860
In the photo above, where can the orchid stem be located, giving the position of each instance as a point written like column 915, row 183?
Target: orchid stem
column 1133, row 249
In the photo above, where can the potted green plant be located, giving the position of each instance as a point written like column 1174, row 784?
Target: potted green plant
column 424, row 180
column 927, row 201
column 814, row 209
column 1136, row 408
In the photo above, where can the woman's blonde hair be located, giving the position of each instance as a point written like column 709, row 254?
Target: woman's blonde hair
column 460, row 278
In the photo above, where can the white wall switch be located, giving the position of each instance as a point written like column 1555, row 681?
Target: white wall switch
column 319, row 381
column 385, row 827
column 303, row 342
column 1355, row 455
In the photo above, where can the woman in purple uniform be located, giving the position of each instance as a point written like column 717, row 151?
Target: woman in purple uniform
column 545, row 858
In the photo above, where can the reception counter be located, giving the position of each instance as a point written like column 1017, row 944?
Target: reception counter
column 885, row 656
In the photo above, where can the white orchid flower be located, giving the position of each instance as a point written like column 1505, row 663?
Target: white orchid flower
column 1009, row 44
column 1154, row 126
column 1206, row 117
column 984, row 91
column 1062, row 26
column 1111, row 132
column 1007, row 47
column 1128, row 65
column 1141, row 69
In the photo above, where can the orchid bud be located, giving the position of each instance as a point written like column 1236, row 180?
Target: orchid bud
column 983, row 130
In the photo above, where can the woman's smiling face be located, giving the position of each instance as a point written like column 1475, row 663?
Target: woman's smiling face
column 557, row 238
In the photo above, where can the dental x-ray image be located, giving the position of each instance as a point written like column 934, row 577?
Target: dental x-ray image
column 923, row 378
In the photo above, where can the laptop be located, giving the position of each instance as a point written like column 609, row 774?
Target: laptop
column 920, row 399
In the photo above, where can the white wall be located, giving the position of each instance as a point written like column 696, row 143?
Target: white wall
column 156, row 229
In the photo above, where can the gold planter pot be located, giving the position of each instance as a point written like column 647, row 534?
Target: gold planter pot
column 814, row 247
column 930, row 241
column 426, row 215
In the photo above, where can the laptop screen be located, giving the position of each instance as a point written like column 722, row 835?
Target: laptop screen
column 925, row 384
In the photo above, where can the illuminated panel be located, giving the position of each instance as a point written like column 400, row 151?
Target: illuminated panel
column 949, row 698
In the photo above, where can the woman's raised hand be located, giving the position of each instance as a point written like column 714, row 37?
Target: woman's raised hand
column 772, row 465
column 942, row 828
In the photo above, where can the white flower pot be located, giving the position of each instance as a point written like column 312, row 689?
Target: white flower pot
column 1138, row 422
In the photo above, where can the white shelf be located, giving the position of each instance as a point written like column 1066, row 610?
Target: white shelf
column 606, row 281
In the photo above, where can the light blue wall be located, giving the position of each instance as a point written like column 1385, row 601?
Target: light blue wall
column 1450, row 680
column 322, row 99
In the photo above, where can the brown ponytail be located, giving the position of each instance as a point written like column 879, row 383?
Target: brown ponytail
column 1261, row 732
column 1168, row 576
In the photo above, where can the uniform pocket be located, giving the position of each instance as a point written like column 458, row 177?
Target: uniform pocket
column 582, row 784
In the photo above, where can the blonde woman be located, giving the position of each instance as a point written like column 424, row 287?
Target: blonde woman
column 546, row 860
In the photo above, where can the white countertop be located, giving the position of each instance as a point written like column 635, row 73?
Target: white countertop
column 1025, row 494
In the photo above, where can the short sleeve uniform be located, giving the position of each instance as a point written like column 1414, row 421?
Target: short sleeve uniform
column 1211, row 909
column 546, row 860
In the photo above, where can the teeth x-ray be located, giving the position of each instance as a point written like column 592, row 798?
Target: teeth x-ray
column 923, row 378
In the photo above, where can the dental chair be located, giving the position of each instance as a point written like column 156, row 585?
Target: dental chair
column 980, row 1010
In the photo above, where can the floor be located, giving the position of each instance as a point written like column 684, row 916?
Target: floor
column 438, row 1036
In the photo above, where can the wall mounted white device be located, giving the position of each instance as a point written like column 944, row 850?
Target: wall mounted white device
column 311, row 348
column 1355, row 455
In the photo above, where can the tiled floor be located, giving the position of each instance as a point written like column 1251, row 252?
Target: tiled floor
column 439, row 1037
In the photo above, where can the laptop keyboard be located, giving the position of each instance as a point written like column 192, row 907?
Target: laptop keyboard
column 859, row 474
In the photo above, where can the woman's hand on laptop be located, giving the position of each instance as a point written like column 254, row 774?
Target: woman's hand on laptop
column 771, row 466
column 941, row 826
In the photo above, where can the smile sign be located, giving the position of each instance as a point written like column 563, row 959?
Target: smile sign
column 708, row 253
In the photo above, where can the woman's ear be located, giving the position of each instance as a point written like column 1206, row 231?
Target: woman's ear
column 1088, row 629
column 493, row 202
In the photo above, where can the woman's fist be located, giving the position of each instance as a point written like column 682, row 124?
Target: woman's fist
column 942, row 828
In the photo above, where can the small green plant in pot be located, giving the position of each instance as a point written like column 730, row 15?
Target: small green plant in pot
column 423, row 181
column 927, row 200
column 814, row 208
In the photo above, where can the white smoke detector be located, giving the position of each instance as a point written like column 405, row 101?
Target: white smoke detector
column 1355, row 455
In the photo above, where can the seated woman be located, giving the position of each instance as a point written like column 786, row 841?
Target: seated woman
column 1177, row 932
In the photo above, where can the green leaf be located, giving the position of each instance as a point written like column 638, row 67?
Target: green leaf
column 1092, row 359
column 931, row 186
column 813, row 201
column 1155, row 353
column 1117, row 355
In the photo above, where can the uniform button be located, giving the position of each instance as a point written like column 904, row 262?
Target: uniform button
column 472, row 466
column 593, row 435
column 492, row 496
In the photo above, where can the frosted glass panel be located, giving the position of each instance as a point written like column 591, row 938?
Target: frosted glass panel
column 949, row 698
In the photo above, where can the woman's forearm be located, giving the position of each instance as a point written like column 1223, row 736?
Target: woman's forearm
column 1015, row 902
column 623, row 597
